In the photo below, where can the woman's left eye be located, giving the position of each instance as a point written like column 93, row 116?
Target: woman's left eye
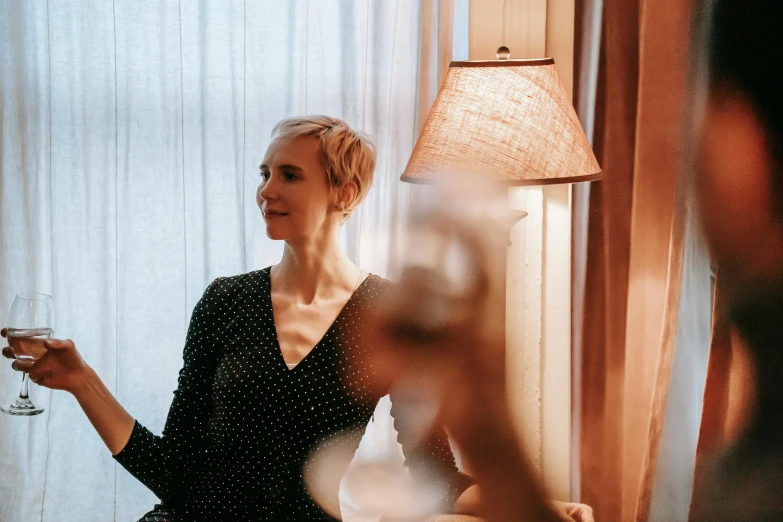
column 290, row 176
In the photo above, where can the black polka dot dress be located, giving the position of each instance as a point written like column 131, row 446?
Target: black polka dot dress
column 242, row 425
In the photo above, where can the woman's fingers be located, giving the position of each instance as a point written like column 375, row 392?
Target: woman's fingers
column 7, row 351
column 40, row 375
column 584, row 514
column 59, row 344
column 23, row 366
column 575, row 511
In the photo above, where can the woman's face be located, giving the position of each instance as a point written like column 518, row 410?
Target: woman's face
column 294, row 196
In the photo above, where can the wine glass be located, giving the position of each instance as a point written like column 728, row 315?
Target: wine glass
column 30, row 322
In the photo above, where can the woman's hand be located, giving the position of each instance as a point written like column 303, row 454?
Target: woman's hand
column 469, row 503
column 60, row 368
column 575, row 512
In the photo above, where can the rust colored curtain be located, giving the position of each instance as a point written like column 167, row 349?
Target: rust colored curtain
column 632, row 249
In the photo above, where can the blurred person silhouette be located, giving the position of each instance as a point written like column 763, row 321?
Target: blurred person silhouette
column 440, row 332
column 739, row 188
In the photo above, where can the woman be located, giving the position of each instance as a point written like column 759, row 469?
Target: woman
column 261, row 382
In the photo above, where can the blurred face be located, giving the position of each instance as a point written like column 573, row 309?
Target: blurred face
column 294, row 196
column 735, row 191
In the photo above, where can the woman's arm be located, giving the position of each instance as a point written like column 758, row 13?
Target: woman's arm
column 166, row 464
column 162, row 463
column 112, row 422
column 469, row 503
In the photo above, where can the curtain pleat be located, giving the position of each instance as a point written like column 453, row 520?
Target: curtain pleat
column 634, row 242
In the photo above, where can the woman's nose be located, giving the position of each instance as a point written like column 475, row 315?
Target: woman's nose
column 267, row 189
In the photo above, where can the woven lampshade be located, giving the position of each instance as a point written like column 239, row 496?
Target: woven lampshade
column 510, row 121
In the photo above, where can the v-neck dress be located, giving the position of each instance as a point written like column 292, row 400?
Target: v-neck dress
column 241, row 424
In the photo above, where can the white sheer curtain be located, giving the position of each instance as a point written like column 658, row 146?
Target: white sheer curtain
column 130, row 138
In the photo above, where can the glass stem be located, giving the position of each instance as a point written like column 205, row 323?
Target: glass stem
column 25, row 381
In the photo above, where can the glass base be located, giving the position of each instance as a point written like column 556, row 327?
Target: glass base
column 23, row 407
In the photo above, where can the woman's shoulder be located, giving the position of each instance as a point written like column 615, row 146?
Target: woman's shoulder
column 374, row 288
column 237, row 285
column 372, row 279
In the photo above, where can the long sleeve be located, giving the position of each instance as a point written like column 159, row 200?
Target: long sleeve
column 166, row 464
column 431, row 458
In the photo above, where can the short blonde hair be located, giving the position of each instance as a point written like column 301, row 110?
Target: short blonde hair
column 348, row 156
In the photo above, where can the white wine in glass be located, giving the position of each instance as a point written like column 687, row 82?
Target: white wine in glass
column 30, row 323
column 28, row 343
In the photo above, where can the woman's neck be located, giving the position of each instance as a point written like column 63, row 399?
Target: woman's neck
column 309, row 271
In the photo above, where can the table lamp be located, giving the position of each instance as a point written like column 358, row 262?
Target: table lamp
column 510, row 121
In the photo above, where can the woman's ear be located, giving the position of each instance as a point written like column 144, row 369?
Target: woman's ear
column 346, row 196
